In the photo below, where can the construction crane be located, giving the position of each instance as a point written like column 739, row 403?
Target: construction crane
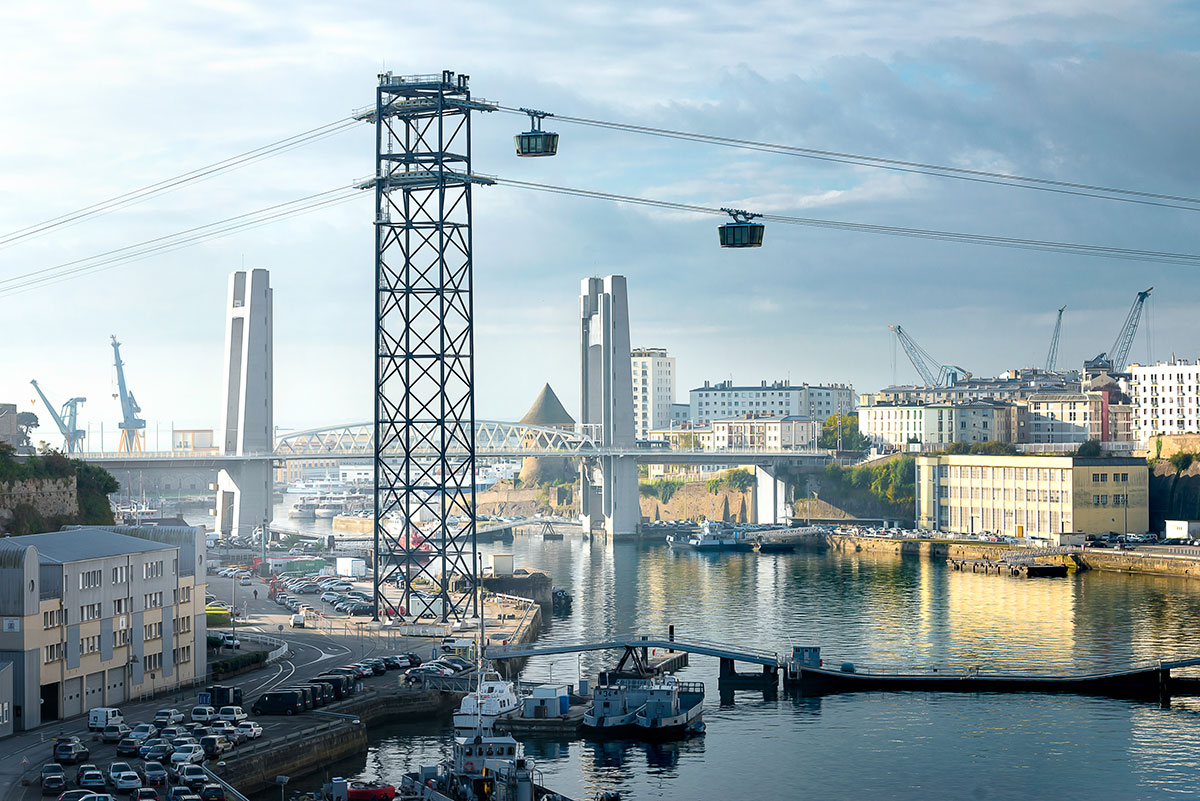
column 933, row 372
column 1052, row 354
column 1119, row 352
column 131, row 425
column 72, row 436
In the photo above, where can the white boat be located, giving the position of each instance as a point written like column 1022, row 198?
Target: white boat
column 712, row 536
column 615, row 705
column 481, row 767
column 494, row 698
column 315, row 486
column 672, row 708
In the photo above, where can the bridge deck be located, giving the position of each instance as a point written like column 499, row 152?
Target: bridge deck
column 705, row 648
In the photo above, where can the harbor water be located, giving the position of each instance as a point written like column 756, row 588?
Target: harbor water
column 875, row 611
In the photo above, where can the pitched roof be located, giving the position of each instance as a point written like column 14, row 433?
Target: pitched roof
column 547, row 410
column 75, row 545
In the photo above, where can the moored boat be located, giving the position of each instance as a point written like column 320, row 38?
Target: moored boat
column 673, row 709
column 370, row 791
column 494, row 698
column 712, row 536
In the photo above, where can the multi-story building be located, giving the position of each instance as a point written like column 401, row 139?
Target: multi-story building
column 780, row 398
column 9, row 433
column 653, row 389
column 1166, row 398
column 1010, row 386
column 1032, row 496
column 893, row 426
column 1075, row 417
column 95, row 616
column 681, row 415
column 764, row 432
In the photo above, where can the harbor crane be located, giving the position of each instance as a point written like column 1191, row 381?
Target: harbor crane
column 1052, row 354
column 1118, row 355
column 65, row 420
column 933, row 372
column 131, row 425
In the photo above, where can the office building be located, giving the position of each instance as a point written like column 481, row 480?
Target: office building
column 98, row 616
column 1050, row 497
column 653, row 389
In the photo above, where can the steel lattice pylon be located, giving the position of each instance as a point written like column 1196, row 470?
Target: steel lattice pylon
column 424, row 365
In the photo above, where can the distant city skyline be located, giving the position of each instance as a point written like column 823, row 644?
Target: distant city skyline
column 1056, row 90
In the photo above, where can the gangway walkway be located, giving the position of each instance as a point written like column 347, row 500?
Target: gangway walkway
column 734, row 653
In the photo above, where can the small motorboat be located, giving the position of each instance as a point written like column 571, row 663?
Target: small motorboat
column 370, row 791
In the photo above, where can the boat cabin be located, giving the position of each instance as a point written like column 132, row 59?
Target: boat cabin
column 471, row 753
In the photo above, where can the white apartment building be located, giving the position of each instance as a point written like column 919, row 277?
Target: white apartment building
column 779, row 398
column 897, row 426
column 653, row 389
column 765, row 433
column 1166, row 398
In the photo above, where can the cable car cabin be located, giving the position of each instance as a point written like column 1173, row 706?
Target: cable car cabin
column 741, row 235
column 536, row 143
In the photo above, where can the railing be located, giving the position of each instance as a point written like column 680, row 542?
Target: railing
column 280, row 648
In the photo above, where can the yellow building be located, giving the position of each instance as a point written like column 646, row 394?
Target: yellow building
column 1032, row 496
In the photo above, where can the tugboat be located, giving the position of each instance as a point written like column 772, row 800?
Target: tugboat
column 481, row 768
column 655, row 708
column 494, row 698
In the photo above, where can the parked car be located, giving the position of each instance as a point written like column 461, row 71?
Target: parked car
column 146, row 745
column 193, row 776
column 53, row 783
column 115, row 768
column 144, row 794
column 377, row 665
column 143, row 732
column 250, row 729
column 180, row 792
column 401, row 661
column 127, row 781
column 128, row 747
column 159, row 753
column 167, row 717
column 92, row 780
column 187, row 755
column 230, row 641
column 84, row 769
column 419, row 674
column 212, row 792
column 71, row 751
column 457, row 662
column 228, row 731
column 77, row 795
column 114, row 732
column 214, row 745
column 233, row 714
column 278, row 702
column 202, row 714
column 155, row 773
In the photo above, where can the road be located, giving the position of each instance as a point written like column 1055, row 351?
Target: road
column 313, row 651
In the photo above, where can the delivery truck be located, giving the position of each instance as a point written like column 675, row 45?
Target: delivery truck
column 351, row 567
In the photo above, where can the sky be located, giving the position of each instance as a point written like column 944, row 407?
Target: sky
column 103, row 97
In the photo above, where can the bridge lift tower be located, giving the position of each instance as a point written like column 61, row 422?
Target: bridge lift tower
column 66, row 421
column 132, row 427
column 424, row 344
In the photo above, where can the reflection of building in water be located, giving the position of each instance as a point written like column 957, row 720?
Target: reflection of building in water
column 1036, row 617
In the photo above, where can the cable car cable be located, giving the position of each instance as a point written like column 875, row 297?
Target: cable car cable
column 897, row 165
column 1107, row 251
column 227, row 164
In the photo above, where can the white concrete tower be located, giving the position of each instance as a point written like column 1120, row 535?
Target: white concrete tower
column 608, row 484
column 244, row 490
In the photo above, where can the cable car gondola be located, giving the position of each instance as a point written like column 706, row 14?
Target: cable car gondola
column 741, row 233
column 536, row 142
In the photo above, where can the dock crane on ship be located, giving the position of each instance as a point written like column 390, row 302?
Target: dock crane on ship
column 66, row 421
column 131, row 425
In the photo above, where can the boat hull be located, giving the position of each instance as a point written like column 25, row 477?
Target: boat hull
column 1148, row 683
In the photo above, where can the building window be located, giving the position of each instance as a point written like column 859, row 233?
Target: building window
column 153, row 631
column 120, row 574
column 183, row 654
column 89, row 645
column 152, row 662
column 90, row 578
column 52, row 653
column 53, row 619
column 89, row 612
column 152, row 569
column 153, row 600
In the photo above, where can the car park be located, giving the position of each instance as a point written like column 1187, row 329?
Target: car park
column 71, row 750
column 115, row 732
column 250, row 729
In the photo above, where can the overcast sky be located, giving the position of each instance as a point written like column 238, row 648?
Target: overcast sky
column 103, row 97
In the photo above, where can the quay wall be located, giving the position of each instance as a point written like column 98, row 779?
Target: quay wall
column 253, row 768
column 1142, row 562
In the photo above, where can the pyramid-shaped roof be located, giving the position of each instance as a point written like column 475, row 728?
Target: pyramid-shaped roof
column 547, row 410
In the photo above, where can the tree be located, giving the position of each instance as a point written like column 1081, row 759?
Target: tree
column 1090, row 449
column 852, row 438
column 994, row 448
column 1180, row 461
column 26, row 422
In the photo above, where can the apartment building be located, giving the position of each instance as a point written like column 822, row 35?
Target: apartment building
column 1076, row 417
column 653, row 389
column 1032, row 496
column 897, row 426
column 96, row 616
column 1166, row 398
column 780, row 398
column 765, row 433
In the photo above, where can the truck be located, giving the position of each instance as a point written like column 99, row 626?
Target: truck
column 1183, row 529
column 351, row 567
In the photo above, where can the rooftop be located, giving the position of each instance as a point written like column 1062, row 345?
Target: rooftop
column 76, row 545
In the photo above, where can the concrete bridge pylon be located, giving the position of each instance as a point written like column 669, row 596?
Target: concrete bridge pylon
column 608, row 486
column 244, row 488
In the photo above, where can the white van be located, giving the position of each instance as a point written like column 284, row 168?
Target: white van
column 103, row 716
column 203, row 714
column 298, row 621
column 457, row 643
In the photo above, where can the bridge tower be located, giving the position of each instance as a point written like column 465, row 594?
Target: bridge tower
column 424, row 344
column 244, row 489
column 608, row 484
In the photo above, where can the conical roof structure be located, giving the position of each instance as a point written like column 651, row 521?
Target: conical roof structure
column 548, row 410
